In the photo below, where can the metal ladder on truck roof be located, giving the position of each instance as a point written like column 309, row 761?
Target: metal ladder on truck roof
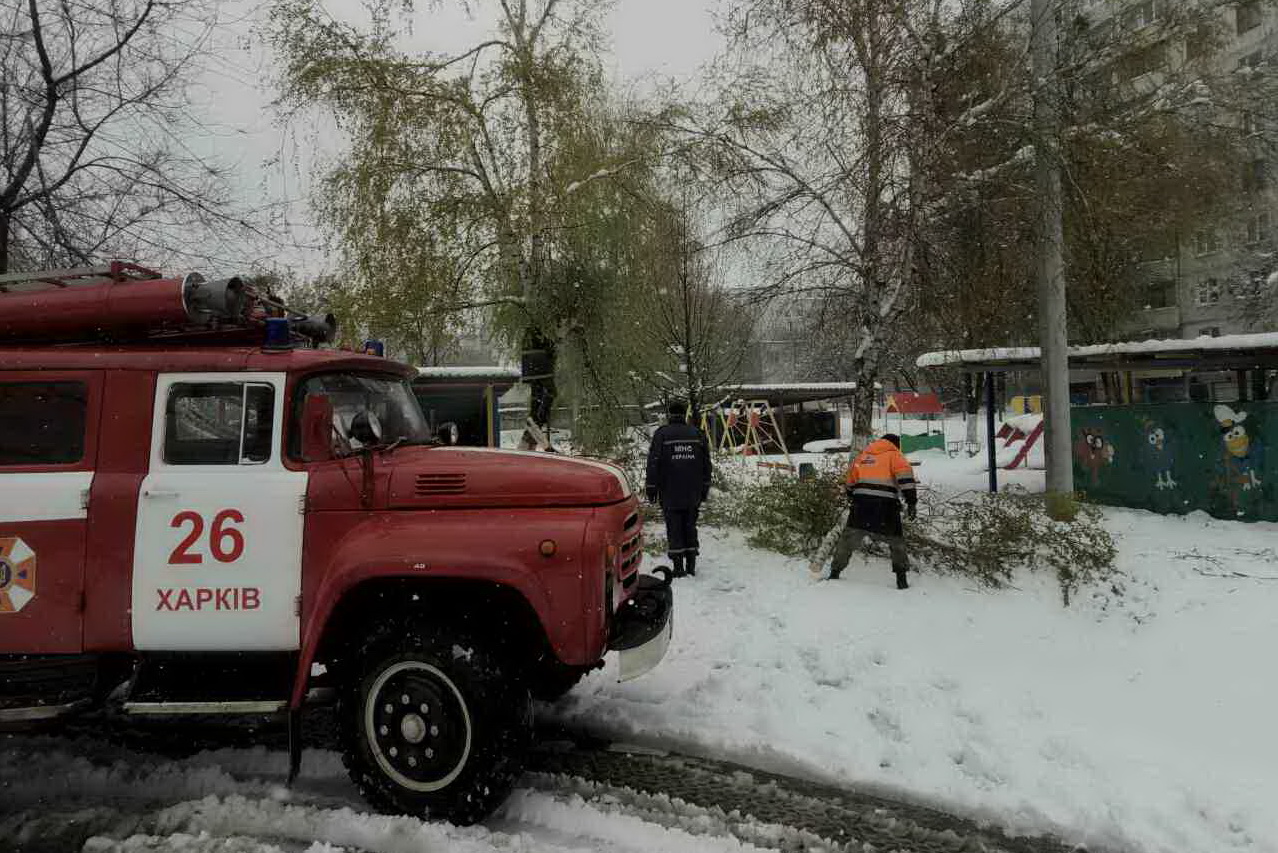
column 116, row 271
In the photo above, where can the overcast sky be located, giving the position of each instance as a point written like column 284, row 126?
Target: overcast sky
column 652, row 41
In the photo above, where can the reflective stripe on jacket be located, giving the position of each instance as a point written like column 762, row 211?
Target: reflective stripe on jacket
column 882, row 471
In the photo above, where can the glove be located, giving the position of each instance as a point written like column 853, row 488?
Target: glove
column 912, row 511
column 652, row 494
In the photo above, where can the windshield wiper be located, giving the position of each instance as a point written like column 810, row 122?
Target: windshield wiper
column 410, row 442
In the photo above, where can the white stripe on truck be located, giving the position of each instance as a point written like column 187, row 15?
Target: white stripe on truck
column 46, row 496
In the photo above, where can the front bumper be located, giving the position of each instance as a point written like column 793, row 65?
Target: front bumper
column 642, row 627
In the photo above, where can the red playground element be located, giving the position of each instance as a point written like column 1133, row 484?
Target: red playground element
column 1015, row 430
column 908, row 403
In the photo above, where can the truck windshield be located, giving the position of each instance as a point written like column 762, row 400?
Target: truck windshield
column 389, row 398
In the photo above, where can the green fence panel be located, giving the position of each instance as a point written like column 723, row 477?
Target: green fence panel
column 913, row 443
column 1180, row 457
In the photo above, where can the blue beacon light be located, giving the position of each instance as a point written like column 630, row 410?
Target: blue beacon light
column 278, row 334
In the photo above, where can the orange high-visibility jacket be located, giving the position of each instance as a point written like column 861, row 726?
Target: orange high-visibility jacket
column 881, row 471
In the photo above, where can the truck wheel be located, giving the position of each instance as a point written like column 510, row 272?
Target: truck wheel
column 435, row 726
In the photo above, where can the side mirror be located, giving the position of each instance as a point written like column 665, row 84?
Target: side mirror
column 449, row 433
column 317, row 428
column 366, row 428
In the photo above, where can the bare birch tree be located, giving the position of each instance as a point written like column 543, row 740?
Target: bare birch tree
column 92, row 122
column 823, row 166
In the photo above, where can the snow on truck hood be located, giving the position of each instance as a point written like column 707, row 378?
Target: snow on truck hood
column 487, row 477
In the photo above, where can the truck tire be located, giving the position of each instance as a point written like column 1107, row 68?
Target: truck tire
column 434, row 725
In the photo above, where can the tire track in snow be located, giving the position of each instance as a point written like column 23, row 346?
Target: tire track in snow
column 779, row 812
column 628, row 817
column 73, row 794
column 584, row 797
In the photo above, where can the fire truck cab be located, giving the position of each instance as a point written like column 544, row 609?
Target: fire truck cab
column 201, row 512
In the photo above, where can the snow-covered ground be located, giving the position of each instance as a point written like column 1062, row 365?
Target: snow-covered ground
column 1141, row 723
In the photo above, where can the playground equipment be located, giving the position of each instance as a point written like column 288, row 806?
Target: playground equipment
column 1027, row 429
column 746, row 428
column 925, row 406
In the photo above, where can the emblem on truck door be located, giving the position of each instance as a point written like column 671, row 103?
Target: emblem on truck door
column 17, row 574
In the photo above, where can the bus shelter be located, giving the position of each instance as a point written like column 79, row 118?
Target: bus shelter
column 460, row 403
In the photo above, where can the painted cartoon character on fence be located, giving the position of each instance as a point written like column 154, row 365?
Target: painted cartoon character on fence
column 1159, row 455
column 1242, row 451
column 1093, row 452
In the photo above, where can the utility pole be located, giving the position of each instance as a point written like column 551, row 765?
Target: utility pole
column 1053, row 326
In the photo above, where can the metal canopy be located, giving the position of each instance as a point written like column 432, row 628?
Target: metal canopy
column 1229, row 352
column 788, row 393
column 485, row 375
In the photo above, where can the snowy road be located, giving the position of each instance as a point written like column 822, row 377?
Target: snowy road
column 101, row 790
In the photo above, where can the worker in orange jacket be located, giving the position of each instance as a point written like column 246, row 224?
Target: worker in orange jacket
column 879, row 478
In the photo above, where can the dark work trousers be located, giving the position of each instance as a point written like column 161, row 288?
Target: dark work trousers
column 681, row 531
column 879, row 518
column 853, row 538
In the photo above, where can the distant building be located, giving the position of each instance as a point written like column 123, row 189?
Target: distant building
column 780, row 348
column 1213, row 280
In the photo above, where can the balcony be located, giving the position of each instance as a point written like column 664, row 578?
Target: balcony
column 1163, row 321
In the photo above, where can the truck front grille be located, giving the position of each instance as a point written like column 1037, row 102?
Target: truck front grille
column 631, row 553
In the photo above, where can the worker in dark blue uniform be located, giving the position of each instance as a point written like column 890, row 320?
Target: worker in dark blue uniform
column 679, row 477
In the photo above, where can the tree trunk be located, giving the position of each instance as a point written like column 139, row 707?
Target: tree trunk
column 534, row 268
column 4, row 243
column 863, row 407
column 538, row 368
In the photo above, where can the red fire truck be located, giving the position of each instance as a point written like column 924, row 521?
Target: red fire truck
column 203, row 512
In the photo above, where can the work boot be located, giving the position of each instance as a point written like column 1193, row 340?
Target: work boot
column 678, row 565
column 691, row 562
column 901, row 582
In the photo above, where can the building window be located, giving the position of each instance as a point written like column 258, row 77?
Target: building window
column 1209, row 331
column 1247, row 16
column 1140, row 15
column 1198, row 43
column 1255, row 175
column 219, row 423
column 1252, row 61
column 1249, row 123
column 42, row 423
column 1160, row 294
column 1258, row 229
column 1145, row 60
column 1206, row 241
column 1207, row 292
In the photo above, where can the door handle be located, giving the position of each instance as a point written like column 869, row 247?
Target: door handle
column 159, row 494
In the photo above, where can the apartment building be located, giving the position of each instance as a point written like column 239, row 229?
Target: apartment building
column 1215, row 280
column 781, row 348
